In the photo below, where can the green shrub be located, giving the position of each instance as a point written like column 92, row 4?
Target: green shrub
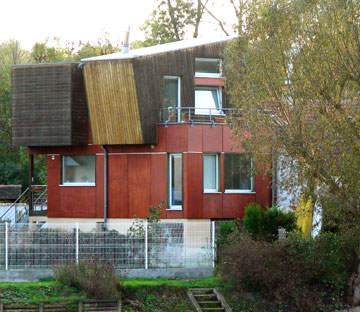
column 263, row 224
column 298, row 274
column 97, row 281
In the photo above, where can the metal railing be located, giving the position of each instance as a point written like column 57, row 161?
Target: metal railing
column 18, row 211
column 193, row 115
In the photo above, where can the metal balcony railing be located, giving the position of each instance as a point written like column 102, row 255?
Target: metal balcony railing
column 196, row 115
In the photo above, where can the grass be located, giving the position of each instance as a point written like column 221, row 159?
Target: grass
column 139, row 294
column 48, row 291
column 35, row 292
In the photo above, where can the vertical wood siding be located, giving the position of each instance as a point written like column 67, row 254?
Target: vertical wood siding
column 113, row 104
column 48, row 105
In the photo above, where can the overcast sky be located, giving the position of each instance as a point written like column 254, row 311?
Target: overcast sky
column 30, row 21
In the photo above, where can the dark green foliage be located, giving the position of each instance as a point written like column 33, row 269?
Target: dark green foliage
column 96, row 281
column 263, row 224
column 296, row 274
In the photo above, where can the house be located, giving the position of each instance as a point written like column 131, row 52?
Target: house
column 127, row 130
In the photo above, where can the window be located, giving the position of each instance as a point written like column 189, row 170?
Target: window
column 172, row 93
column 78, row 170
column 211, row 173
column 175, row 181
column 208, row 100
column 207, row 67
column 238, row 176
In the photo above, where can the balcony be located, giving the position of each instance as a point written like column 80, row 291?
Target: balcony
column 195, row 115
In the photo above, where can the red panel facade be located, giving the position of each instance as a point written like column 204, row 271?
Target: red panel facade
column 138, row 177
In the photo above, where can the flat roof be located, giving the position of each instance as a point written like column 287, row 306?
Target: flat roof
column 161, row 48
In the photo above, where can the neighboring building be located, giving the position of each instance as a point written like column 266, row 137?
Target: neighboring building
column 153, row 118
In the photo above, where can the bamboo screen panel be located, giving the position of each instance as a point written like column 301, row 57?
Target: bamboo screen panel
column 112, row 100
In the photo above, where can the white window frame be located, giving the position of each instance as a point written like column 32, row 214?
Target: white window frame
column 206, row 110
column 244, row 191
column 170, row 206
column 209, row 75
column 217, row 174
column 63, row 183
column 178, row 78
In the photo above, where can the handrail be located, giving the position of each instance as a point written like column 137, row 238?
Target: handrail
column 39, row 199
column 208, row 115
column 14, row 203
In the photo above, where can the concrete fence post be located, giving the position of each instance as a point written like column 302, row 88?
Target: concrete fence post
column 146, row 245
column 77, row 242
column 213, row 242
column 6, row 245
column 119, row 303
column 81, row 306
column 41, row 307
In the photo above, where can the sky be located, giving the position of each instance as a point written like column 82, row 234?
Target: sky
column 30, row 21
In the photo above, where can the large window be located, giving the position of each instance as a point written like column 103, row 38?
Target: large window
column 208, row 100
column 238, row 177
column 78, row 170
column 206, row 67
column 175, row 181
column 211, row 173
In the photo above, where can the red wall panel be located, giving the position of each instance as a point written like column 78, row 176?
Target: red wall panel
column 139, row 185
column 118, row 186
column 77, row 202
column 212, row 206
column 53, row 178
column 234, row 204
column 195, row 138
column 177, row 138
column 195, row 185
column 158, row 189
column 137, row 178
column 99, row 199
column 228, row 144
column 212, row 138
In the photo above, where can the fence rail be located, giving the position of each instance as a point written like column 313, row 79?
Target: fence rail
column 161, row 245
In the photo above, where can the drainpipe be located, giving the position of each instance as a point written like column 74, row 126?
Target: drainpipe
column 105, row 185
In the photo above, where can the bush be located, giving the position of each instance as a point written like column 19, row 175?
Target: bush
column 96, row 281
column 263, row 224
column 297, row 274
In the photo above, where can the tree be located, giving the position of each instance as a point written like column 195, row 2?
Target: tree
column 171, row 20
column 294, row 72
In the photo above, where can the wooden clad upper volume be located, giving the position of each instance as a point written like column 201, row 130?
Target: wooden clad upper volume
column 125, row 93
column 49, row 105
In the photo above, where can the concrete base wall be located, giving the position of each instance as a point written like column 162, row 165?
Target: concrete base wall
column 35, row 275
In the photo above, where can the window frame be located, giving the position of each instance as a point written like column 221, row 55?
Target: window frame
column 252, row 179
column 207, row 110
column 217, row 174
column 63, row 172
column 178, row 78
column 208, row 75
column 170, row 173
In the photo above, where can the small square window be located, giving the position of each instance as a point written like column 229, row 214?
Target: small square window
column 78, row 170
column 207, row 67
column 208, row 100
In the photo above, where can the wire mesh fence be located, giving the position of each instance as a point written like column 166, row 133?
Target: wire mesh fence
column 160, row 245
